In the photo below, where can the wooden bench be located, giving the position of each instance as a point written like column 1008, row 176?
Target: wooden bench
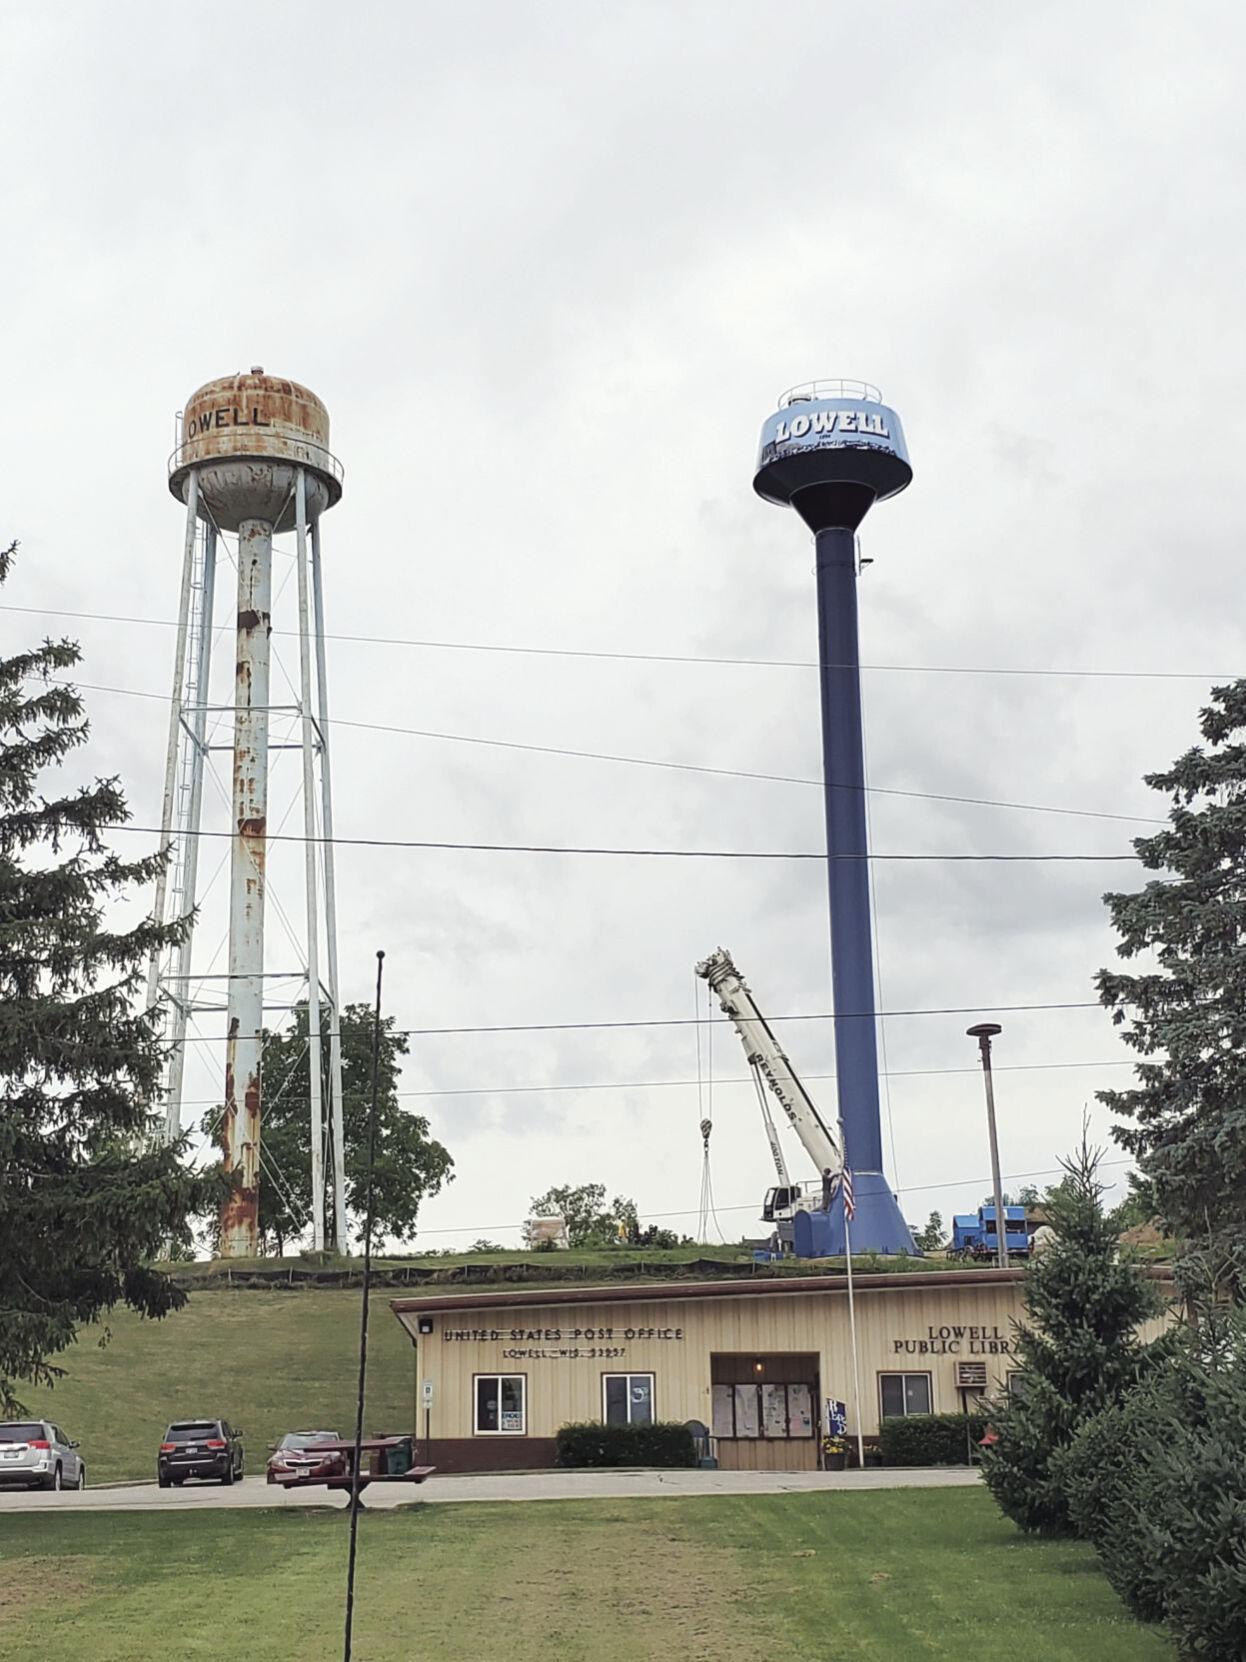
column 378, row 1453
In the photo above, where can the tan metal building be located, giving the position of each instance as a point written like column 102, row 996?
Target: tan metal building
column 755, row 1360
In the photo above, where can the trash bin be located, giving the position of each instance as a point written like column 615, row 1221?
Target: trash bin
column 701, row 1443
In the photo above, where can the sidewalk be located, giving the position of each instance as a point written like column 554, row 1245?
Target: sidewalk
column 497, row 1486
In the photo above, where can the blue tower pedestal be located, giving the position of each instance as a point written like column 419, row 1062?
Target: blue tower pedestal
column 831, row 451
column 877, row 1227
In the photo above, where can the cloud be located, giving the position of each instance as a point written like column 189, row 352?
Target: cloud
column 549, row 268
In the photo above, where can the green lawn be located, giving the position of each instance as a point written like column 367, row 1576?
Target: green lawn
column 879, row 1576
column 271, row 1362
column 613, row 1263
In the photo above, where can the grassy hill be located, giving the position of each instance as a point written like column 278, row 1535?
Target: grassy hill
column 269, row 1361
column 466, row 1271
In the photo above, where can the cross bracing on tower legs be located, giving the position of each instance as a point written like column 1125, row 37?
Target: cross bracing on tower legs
column 233, row 491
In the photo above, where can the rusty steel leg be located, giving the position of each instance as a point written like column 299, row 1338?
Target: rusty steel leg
column 175, row 727
column 197, row 738
column 340, row 1240
column 308, row 725
column 240, row 1124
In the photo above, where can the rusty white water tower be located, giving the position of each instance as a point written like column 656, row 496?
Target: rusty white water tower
column 252, row 461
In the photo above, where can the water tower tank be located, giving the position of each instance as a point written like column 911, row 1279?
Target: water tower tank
column 831, row 450
column 246, row 435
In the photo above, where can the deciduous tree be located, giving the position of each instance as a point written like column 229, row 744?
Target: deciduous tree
column 590, row 1222
column 933, row 1236
column 410, row 1164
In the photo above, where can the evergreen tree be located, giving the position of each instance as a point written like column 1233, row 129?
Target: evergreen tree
column 1158, row 1484
column 1079, row 1350
column 1186, row 1015
column 88, row 1195
column 1138, row 1206
column 410, row 1164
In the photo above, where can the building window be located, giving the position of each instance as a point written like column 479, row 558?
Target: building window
column 768, row 1411
column 627, row 1398
column 501, row 1404
column 1018, row 1383
column 904, row 1393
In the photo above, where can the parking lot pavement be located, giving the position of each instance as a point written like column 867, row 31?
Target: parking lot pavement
column 497, row 1486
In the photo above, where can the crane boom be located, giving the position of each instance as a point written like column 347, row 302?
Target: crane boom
column 772, row 1134
column 766, row 1055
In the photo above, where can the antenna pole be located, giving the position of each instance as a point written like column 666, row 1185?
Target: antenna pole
column 363, row 1316
column 844, row 1179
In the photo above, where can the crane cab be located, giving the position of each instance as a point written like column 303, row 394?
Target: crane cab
column 782, row 1203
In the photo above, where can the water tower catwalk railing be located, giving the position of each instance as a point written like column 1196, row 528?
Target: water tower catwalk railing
column 252, row 459
column 313, row 456
column 810, row 391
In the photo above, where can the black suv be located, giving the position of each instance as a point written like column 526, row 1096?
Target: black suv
column 199, row 1448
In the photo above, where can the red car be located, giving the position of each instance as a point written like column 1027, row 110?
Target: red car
column 295, row 1454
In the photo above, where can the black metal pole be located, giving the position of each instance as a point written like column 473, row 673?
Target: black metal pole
column 363, row 1317
column 984, row 1032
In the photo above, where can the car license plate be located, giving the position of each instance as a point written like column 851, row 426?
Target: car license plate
column 14, row 1453
column 192, row 1448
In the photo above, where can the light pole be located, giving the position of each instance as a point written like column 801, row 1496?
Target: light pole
column 984, row 1032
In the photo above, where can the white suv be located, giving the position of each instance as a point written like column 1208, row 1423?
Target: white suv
column 38, row 1454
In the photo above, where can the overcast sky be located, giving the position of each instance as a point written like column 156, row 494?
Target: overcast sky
column 549, row 266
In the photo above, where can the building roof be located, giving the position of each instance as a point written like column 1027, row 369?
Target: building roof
column 510, row 1298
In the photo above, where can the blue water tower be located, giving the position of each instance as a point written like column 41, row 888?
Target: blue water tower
column 831, row 450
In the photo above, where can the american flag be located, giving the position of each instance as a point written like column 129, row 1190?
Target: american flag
column 841, row 1183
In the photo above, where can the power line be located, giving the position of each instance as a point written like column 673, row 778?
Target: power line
column 742, row 773
column 672, row 1084
column 647, row 853
column 690, row 1021
column 667, row 657
column 675, row 767
column 688, row 1212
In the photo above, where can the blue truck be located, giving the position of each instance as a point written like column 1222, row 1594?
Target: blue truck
column 973, row 1233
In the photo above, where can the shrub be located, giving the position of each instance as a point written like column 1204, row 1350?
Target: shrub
column 1107, row 1476
column 1157, row 1483
column 931, row 1439
column 1189, row 1495
column 664, row 1443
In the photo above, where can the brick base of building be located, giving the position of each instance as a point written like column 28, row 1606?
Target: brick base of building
column 488, row 1454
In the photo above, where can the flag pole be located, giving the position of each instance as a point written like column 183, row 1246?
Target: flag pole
column 845, row 1185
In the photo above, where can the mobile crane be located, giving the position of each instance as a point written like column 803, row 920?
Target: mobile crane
column 771, row 1068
